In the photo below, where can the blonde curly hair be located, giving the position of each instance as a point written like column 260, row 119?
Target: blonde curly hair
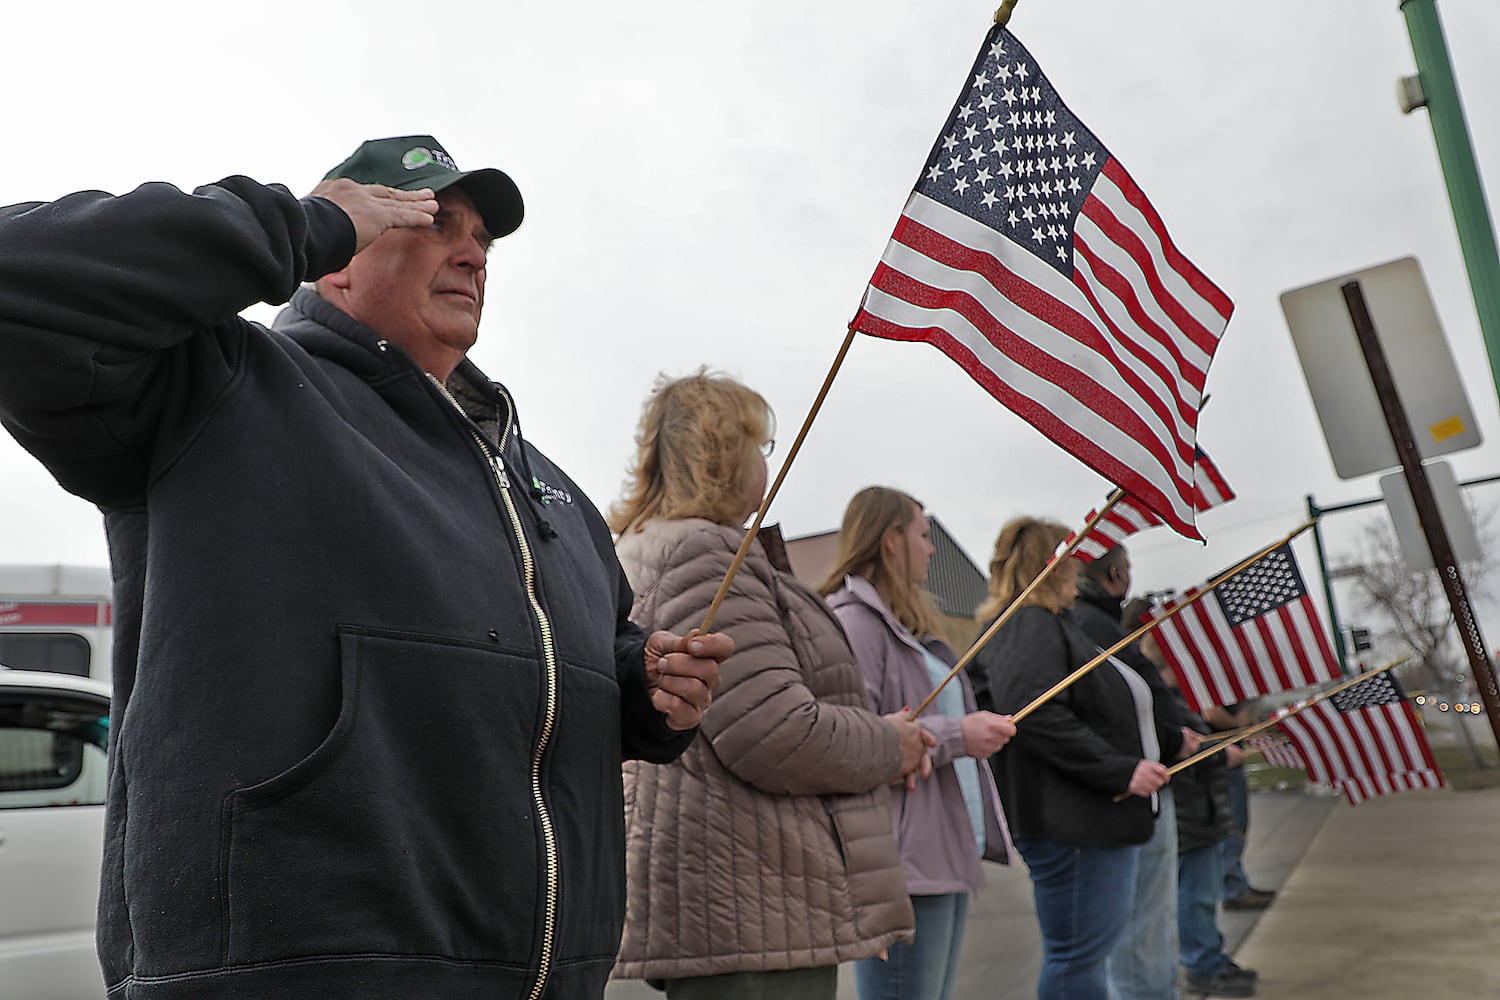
column 696, row 448
column 1022, row 550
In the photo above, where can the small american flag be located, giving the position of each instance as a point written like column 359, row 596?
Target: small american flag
column 1029, row 256
column 1210, row 489
column 1365, row 741
column 1277, row 749
column 1256, row 633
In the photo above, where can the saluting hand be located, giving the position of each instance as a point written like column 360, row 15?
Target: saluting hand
column 683, row 674
column 374, row 208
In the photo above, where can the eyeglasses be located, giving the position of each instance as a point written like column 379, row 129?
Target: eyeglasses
column 767, row 447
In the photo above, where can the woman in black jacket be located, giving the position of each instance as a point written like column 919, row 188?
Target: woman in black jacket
column 1061, row 772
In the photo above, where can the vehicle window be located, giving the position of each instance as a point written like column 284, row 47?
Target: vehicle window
column 51, row 756
column 57, row 652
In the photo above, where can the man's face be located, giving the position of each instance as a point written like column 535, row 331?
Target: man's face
column 422, row 289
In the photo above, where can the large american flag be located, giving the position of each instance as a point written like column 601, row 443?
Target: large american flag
column 1256, row 633
column 1128, row 515
column 1364, row 741
column 1028, row 255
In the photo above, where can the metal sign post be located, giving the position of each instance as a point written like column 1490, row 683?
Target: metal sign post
column 1426, row 504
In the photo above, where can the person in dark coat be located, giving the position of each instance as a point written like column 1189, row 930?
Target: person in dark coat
column 1143, row 965
column 374, row 674
column 1062, row 771
column 1205, row 817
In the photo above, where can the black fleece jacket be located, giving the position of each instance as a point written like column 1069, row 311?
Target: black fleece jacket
column 1068, row 760
column 369, row 709
column 1098, row 614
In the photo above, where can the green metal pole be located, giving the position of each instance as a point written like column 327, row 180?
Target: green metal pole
column 1476, row 236
column 1315, row 515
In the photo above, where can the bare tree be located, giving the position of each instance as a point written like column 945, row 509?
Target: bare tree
column 1415, row 607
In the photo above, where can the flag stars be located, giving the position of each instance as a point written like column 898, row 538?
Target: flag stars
column 1009, row 97
column 969, row 133
column 1021, row 71
column 997, row 50
column 976, row 154
column 992, row 124
column 960, row 186
column 988, row 198
column 965, row 112
column 1002, row 73
column 981, row 81
column 1062, row 254
column 1012, row 221
column 1088, row 161
column 1036, row 234
column 949, row 142
column 1068, row 140
column 983, row 177
column 955, row 163
column 934, row 172
column 998, row 147
column 986, row 102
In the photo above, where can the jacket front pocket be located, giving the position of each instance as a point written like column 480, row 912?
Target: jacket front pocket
column 411, row 829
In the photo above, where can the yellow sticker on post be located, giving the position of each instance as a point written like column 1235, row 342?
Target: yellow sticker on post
column 1445, row 429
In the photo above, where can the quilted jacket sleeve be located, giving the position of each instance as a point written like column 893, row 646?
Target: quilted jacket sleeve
column 766, row 724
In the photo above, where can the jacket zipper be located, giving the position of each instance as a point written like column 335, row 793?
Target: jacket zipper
column 549, row 658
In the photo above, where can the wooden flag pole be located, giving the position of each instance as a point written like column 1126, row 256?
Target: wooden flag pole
column 1240, row 734
column 1135, row 636
column 1011, row 608
column 1002, row 16
column 750, row 533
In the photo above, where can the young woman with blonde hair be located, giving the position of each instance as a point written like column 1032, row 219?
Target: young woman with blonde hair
column 763, row 857
column 1068, row 761
column 946, row 824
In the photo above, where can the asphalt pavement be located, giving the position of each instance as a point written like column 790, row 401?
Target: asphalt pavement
column 1395, row 899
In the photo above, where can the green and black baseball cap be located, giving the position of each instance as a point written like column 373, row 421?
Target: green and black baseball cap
column 411, row 162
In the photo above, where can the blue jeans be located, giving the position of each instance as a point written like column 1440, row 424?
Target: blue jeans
column 1082, row 899
column 1143, row 965
column 1232, row 848
column 1200, row 879
column 926, row 968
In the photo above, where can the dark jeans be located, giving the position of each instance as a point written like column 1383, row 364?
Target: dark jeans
column 1232, row 848
column 926, row 968
column 1083, row 897
column 821, row 983
column 1200, row 878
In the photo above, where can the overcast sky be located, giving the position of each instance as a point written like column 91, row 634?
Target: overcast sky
column 714, row 183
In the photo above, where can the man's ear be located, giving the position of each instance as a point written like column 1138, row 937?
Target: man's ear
column 338, row 279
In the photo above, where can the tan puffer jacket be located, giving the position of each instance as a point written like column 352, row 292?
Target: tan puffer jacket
column 768, row 844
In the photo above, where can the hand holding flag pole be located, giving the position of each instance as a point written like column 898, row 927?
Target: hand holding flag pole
column 1229, row 739
column 1135, row 636
column 754, row 529
column 1067, row 550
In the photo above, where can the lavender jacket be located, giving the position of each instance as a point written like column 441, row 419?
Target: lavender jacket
column 938, row 853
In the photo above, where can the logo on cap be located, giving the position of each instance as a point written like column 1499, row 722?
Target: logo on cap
column 416, row 158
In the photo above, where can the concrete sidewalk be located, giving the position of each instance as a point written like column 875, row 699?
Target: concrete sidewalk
column 1398, row 898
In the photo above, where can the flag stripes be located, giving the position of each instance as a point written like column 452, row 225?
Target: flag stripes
column 1028, row 255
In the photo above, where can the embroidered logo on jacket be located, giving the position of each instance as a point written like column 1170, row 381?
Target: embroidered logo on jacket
column 551, row 493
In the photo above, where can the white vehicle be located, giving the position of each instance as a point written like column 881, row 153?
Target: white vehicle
column 53, row 773
column 56, row 618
